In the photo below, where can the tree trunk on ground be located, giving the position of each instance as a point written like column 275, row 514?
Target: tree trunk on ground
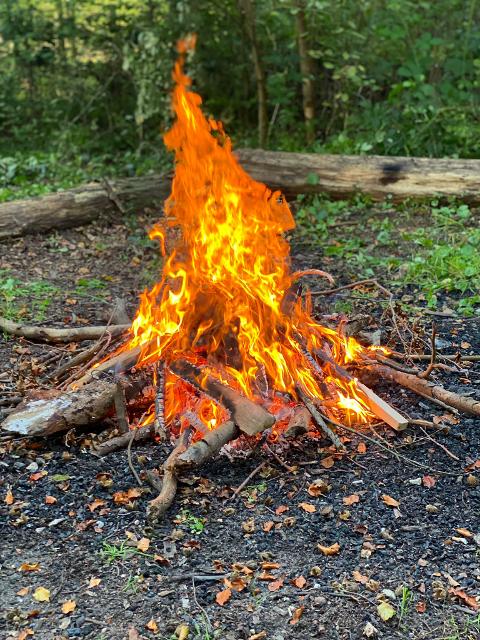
column 336, row 176
column 307, row 70
column 247, row 9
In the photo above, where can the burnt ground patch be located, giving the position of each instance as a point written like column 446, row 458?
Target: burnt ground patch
column 420, row 558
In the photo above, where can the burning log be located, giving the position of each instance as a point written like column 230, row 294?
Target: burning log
column 427, row 388
column 251, row 418
column 47, row 334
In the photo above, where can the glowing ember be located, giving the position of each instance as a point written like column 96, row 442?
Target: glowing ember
column 223, row 297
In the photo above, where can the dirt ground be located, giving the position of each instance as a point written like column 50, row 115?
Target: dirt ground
column 79, row 560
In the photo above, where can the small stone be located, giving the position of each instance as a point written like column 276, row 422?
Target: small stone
column 389, row 594
column 472, row 480
column 33, row 466
column 315, row 571
column 319, row 601
column 431, row 508
column 415, row 481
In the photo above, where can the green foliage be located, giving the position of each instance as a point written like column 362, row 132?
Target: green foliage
column 18, row 298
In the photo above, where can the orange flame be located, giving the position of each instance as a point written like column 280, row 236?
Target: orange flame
column 223, row 290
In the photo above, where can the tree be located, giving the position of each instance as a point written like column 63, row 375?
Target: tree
column 307, row 70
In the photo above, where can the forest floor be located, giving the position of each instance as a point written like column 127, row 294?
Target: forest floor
column 79, row 560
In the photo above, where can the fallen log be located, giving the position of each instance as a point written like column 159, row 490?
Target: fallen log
column 465, row 404
column 337, row 176
column 74, row 207
column 251, row 418
column 48, row 334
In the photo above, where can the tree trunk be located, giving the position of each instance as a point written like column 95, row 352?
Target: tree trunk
column 247, row 9
column 292, row 173
column 307, row 70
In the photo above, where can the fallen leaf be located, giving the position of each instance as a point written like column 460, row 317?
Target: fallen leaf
column 268, row 526
column 223, row 596
column 332, row 550
column 36, row 476
column 386, row 611
column 276, row 584
column 94, row 582
column 391, row 502
column 465, row 345
column 182, row 631
column 98, row 502
column 69, row 606
column 429, row 481
column 464, row 532
column 249, row 525
column 297, row 614
column 360, row 578
column 318, row 488
column 23, row 634
column 421, row 606
column 266, row 576
column 268, row 566
column 60, row 477
column 352, row 499
column 369, row 630
column 41, row 594
column 306, row 506
column 327, row 462
column 299, row 582
column 362, row 447
column 50, row 500
column 152, row 626
column 471, row 601
column 23, row 591
column 133, row 634
column 143, row 544
column 9, row 499
column 29, row 566
column 258, row 636
column 281, row 509
column 236, row 584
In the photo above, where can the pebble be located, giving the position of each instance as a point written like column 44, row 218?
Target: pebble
column 319, row 601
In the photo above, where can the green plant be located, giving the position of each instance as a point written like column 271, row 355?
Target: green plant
column 194, row 524
column 405, row 599
column 13, row 292
column 132, row 583
column 120, row 552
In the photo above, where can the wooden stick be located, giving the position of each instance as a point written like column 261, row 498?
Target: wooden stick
column 251, row 418
column 120, row 408
column 313, row 272
column 159, row 423
column 316, row 415
column 120, row 442
column 48, row 334
column 299, row 422
column 426, row 388
column 383, row 410
column 428, row 371
column 446, row 356
column 159, row 505
column 118, row 363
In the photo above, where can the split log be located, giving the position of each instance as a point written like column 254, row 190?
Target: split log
column 64, row 411
column 183, row 458
column 74, row 207
column 465, row 404
column 338, row 176
column 299, row 422
column 48, row 334
column 251, row 418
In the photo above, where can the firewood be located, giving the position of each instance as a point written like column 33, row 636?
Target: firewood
column 299, row 422
column 121, row 442
column 428, row 388
column 251, row 418
column 119, row 363
column 66, row 410
column 318, row 418
column 159, row 423
column 383, row 410
column 47, row 334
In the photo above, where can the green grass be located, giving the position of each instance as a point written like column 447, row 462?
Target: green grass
column 120, row 552
column 18, row 298
column 194, row 524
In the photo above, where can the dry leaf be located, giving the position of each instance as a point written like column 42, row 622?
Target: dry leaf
column 297, row 614
column 369, row 630
column 429, row 481
column 281, row 509
column 268, row 526
column 276, row 584
column 327, row 462
column 258, row 636
column 352, row 499
column 9, row 499
column 391, row 502
column 299, row 582
column 223, row 596
column 24, row 633
column 318, row 488
column 69, row 606
column 124, row 497
column 249, row 525
column 36, row 476
column 152, row 626
column 23, row 591
column 182, row 631
column 332, row 550
column 41, row 594
column 306, row 506
column 386, row 611
column 360, row 578
column 29, row 566
column 268, row 566
column 95, row 504
column 50, row 500
column 133, row 634
column 94, row 582
column 421, row 606
column 362, row 447
column 143, row 544
column 236, row 584
column 465, row 533
column 471, row 601
column 266, row 576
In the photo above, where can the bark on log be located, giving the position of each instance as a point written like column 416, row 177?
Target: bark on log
column 251, row 418
column 74, row 207
column 76, row 408
column 337, row 176
column 465, row 404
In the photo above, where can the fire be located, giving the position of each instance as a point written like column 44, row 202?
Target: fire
column 223, row 296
